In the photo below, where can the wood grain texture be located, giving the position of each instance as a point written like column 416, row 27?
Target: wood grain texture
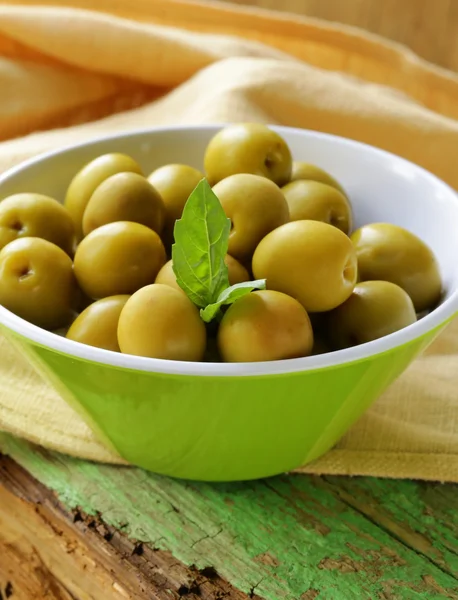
column 429, row 28
column 49, row 552
column 287, row 538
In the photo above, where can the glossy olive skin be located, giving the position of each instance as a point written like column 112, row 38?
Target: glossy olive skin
column 263, row 326
column 118, row 258
column 375, row 309
column 311, row 261
column 160, row 322
column 166, row 276
column 124, row 197
column 37, row 282
column 255, row 206
column 307, row 171
column 36, row 215
column 174, row 182
column 248, row 148
column 391, row 253
column 318, row 202
column 85, row 182
column 236, row 273
column 97, row 325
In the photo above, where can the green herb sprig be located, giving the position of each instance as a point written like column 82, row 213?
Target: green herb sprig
column 201, row 244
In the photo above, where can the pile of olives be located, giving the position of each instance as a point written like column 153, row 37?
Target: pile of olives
column 98, row 267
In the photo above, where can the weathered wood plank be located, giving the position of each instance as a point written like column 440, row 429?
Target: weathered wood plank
column 423, row 516
column 47, row 552
column 285, row 538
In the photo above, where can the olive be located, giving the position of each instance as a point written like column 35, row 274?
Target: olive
column 263, row 326
column 391, row 253
column 311, row 261
column 248, row 148
column 374, row 309
column 174, row 183
column 312, row 200
column 166, row 276
column 307, row 171
column 118, row 258
column 255, row 206
column 236, row 273
column 97, row 325
column 160, row 322
column 85, row 182
column 36, row 215
column 37, row 282
column 124, row 197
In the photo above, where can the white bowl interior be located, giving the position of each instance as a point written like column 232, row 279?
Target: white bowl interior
column 382, row 188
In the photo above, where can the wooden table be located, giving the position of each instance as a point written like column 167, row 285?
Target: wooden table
column 70, row 529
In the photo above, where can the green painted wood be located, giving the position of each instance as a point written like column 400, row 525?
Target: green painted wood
column 286, row 538
column 423, row 516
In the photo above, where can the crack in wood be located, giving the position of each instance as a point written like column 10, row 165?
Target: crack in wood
column 207, row 537
column 254, row 588
column 137, row 568
column 7, row 592
column 274, row 534
column 129, row 568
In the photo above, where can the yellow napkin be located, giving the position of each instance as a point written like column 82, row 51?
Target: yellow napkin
column 77, row 74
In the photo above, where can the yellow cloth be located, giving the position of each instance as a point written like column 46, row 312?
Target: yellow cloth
column 151, row 62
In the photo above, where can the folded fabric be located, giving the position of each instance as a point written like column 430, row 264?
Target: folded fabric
column 68, row 74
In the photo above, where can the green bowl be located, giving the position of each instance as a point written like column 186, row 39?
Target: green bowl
column 222, row 422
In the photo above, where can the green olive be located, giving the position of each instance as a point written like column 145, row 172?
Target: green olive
column 174, row 183
column 166, row 276
column 118, row 258
column 37, row 282
column 375, row 309
column 248, row 148
column 307, row 171
column 85, row 182
column 160, row 322
column 97, row 325
column 124, row 197
column 35, row 215
column 316, row 201
column 263, row 326
column 236, row 273
column 391, row 253
column 255, row 206
column 311, row 261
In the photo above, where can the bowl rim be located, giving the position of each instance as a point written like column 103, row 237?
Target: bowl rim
column 434, row 320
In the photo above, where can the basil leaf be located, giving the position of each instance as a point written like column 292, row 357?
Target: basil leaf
column 229, row 296
column 201, row 242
